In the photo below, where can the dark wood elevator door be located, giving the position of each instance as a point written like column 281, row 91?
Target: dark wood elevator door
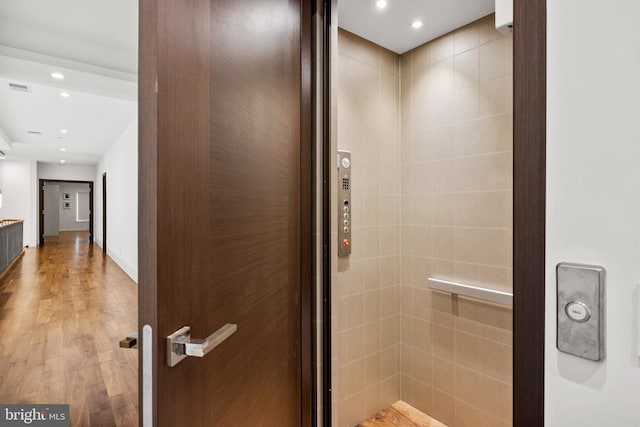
column 221, row 95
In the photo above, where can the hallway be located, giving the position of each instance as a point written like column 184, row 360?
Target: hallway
column 63, row 309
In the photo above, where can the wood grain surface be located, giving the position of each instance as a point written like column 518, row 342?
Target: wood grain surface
column 529, row 201
column 63, row 309
column 401, row 414
column 225, row 141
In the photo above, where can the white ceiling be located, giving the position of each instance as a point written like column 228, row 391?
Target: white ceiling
column 93, row 123
column 97, row 32
column 391, row 27
column 94, row 43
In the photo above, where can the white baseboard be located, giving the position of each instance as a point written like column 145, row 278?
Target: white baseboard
column 131, row 271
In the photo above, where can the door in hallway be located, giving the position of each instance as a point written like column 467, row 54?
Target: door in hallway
column 104, row 212
column 225, row 186
column 51, row 210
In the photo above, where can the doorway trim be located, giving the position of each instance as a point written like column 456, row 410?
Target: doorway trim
column 529, row 199
column 529, row 191
column 104, row 212
column 41, row 183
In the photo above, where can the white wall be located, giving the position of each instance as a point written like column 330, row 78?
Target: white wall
column 121, row 165
column 66, row 172
column 19, row 196
column 68, row 216
column 593, row 200
column 1, row 182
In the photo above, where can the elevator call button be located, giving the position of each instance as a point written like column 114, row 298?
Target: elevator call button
column 577, row 311
column 580, row 310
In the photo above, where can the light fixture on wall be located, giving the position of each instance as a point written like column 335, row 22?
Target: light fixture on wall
column 57, row 75
column 416, row 24
column 63, row 131
column 64, row 94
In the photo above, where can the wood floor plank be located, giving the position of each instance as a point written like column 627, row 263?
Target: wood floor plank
column 63, row 309
column 419, row 417
column 401, row 414
column 388, row 417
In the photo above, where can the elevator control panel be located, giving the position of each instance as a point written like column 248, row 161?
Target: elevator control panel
column 344, row 203
column 581, row 310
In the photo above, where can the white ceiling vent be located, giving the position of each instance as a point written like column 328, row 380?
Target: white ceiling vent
column 34, row 132
column 19, row 87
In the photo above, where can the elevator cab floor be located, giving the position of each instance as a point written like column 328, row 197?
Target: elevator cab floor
column 401, row 414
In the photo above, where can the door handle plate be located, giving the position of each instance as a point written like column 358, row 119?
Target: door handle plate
column 147, row 376
column 180, row 344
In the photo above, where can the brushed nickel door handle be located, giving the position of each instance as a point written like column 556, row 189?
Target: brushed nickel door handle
column 180, row 344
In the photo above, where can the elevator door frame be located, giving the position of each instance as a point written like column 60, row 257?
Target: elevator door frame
column 529, row 189
column 529, row 199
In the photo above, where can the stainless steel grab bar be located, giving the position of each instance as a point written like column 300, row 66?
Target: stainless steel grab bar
column 491, row 295
column 180, row 344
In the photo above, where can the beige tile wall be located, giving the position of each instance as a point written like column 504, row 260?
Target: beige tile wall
column 456, row 107
column 366, row 285
column 431, row 197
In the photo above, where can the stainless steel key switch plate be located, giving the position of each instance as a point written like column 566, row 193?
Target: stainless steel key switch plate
column 581, row 310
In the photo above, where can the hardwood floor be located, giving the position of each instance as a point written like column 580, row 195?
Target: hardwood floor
column 401, row 414
column 63, row 309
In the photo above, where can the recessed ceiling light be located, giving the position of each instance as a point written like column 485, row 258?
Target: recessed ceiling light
column 64, row 94
column 1, row 157
column 63, row 131
column 63, row 149
column 62, row 162
column 416, row 24
column 57, row 75
column 381, row 4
